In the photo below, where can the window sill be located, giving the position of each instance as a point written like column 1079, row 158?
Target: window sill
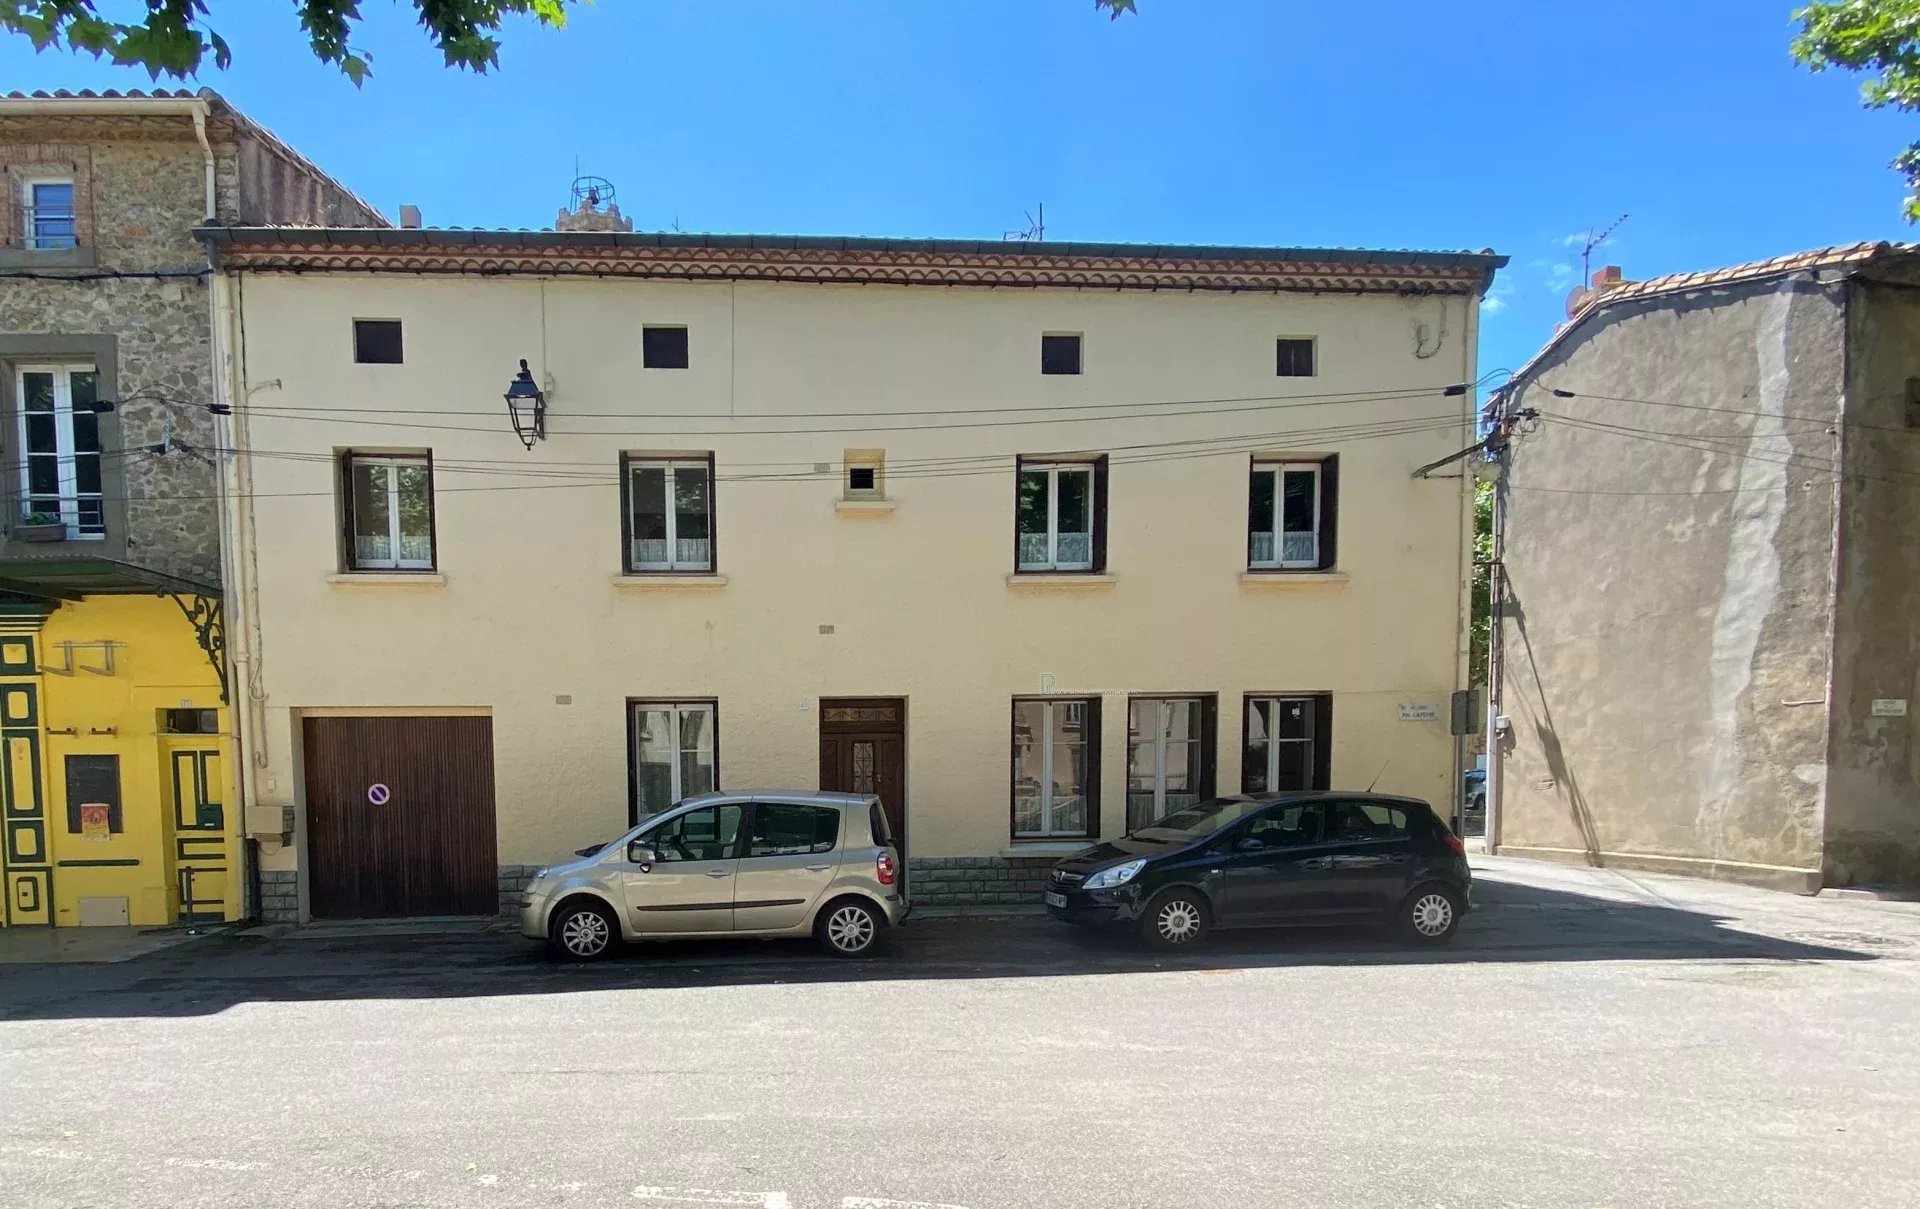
column 668, row 581
column 864, row 507
column 387, row 579
column 1092, row 580
column 1294, row 580
column 1047, row 848
column 84, row 257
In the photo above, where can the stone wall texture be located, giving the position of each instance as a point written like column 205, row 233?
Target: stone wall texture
column 279, row 896
column 977, row 881
column 140, row 193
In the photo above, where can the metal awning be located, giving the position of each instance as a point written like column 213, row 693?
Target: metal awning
column 73, row 578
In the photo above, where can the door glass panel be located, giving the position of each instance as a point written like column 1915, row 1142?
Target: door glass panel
column 1292, row 767
column 1260, row 517
column 653, row 760
column 1074, row 545
column 372, row 514
column 1253, row 759
column 693, row 533
column 1069, row 773
column 1031, row 510
column 1029, row 721
column 1299, row 503
column 648, row 498
column 415, row 489
column 863, row 766
column 1294, row 827
column 791, row 829
column 707, row 834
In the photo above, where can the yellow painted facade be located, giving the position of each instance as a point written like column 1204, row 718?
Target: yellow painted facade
column 110, row 816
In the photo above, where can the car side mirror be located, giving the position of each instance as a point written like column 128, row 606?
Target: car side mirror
column 1250, row 844
column 641, row 855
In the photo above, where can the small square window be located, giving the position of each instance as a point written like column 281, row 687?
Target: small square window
column 1060, row 354
column 663, row 347
column 377, row 342
column 862, row 478
column 1293, row 357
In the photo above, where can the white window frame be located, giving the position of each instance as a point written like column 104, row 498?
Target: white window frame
column 675, row 711
column 673, row 561
column 391, row 463
column 1044, row 741
column 1161, row 742
column 1053, row 470
column 64, row 452
column 27, row 210
column 1274, row 740
column 1279, row 471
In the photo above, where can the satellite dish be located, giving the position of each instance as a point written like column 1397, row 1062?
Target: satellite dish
column 1577, row 298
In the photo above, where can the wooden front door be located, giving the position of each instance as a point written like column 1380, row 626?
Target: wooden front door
column 863, row 749
column 400, row 817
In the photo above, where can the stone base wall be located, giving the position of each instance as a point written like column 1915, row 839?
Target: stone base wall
column 977, row 881
column 513, row 883
column 279, row 896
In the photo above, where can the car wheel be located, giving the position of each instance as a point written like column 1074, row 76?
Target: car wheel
column 1175, row 919
column 849, row 928
column 1429, row 915
column 583, row 930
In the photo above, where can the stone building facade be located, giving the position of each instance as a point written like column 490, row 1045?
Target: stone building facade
column 1708, row 655
column 110, row 559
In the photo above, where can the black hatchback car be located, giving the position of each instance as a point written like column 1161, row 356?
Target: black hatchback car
column 1289, row 859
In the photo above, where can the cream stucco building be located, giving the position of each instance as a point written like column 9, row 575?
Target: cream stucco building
column 1032, row 539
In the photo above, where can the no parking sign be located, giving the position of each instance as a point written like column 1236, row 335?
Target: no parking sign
column 378, row 794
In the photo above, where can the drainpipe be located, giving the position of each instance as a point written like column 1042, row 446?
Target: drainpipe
column 206, row 150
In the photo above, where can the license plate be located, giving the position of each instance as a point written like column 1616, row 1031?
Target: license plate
column 1056, row 900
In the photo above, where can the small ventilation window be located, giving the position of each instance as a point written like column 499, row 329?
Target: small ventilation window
column 189, row 721
column 377, row 342
column 1060, row 354
column 865, row 471
column 663, row 347
column 1293, row 357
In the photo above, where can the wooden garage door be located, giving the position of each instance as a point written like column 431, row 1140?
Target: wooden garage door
column 400, row 817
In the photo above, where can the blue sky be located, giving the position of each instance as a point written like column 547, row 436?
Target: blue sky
column 1382, row 123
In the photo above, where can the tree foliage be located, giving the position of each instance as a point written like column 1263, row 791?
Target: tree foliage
column 175, row 39
column 1481, row 619
column 1876, row 36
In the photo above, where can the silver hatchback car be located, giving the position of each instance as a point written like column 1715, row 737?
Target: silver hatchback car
column 766, row 863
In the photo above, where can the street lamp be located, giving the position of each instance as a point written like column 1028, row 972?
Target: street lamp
column 527, row 407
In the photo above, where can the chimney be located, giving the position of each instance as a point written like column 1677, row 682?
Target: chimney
column 410, row 219
column 1609, row 275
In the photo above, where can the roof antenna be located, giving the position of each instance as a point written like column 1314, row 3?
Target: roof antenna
column 1377, row 775
column 1036, row 227
column 1594, row 241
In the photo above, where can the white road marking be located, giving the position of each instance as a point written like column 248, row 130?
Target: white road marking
column 877, row 1202
column 712, row 1196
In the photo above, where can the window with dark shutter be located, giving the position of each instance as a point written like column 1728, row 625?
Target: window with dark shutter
column 377, row 342
column 1293, row 357
column 1060, row 354
column 663, row 347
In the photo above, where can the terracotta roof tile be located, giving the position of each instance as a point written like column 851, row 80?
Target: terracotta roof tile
column 1842, row 256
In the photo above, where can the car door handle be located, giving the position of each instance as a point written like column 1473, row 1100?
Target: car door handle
column 818, row 868
column 719, row 873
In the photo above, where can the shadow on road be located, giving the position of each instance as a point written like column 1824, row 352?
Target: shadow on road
column 1510, row 924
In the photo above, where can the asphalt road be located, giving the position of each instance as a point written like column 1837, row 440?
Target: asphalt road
column 1590, row 1040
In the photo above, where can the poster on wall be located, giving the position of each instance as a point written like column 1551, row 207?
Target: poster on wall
column 96, row 820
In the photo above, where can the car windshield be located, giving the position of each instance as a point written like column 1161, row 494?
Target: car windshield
column 1195, row 821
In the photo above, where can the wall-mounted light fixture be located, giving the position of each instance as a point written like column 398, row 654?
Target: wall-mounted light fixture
column 527, row 407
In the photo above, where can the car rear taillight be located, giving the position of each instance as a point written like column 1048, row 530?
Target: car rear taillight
column 883, row 868
column 1453, row 842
